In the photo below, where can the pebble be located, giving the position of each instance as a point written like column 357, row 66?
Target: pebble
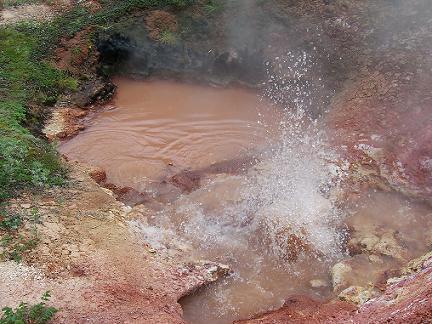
column 318, row 283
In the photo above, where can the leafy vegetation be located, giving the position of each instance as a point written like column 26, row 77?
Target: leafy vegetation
column 24, row 159
column 15, row 247
column 10, row 221
column 30, row 314
column 213, row 6
column 15, row 239
column 13, row 3
column 167, row 37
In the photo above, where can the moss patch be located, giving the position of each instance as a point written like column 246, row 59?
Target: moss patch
column 24, row 159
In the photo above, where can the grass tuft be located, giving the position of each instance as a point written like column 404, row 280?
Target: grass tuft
column 167, row 37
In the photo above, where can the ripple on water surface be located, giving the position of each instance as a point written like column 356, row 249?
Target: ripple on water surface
column 158, row 126
column 255, row 220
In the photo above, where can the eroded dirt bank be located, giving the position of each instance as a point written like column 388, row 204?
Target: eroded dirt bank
column 371, row 81
column 96, row 270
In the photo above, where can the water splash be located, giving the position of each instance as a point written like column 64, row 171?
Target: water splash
column 270, row 222
column 290, row 191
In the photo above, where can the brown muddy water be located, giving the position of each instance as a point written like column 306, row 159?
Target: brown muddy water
column 159, row 128
column 271, row 224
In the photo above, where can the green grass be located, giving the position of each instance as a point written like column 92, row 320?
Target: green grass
column 168, row 38
column 14, row 3
column 15, row 246
column 10, row 221
column 29, row 314
column 25, row 160
column 213, row 6
column 15, row 238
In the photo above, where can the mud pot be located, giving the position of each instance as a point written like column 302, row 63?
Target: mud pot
column 276, row 221
column 159, row 128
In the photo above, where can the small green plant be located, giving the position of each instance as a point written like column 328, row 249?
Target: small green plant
column 180, row 4
column 10, row 221
column 167, row 37
column 68, row 83
column 213, row 6
column 35, row 217
column 15, row 247
column 15, row 239
column 30, row 314
column 14, row 3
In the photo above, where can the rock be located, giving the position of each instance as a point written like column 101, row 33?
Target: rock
column 369, row 242
column 129, row 196
column 201, row 273
column 405, row 300
column 26, row 206
column 339, row 273
column 357, row 295
column 375, row 259
column 146, row 53
column 75, row 254
column 98, row 175
column 388, row 245
column 418, row 264
column 377, row 244
column 318, row 283
column 52, row 230
column 93, row 91
column 187, row 181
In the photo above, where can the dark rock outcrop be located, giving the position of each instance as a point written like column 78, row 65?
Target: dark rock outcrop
column 98, row 90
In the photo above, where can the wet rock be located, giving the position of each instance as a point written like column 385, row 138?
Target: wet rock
column 98, row 175
column 388, row 245
column 376, row 244
column 405, row 300
column 340, row 273
column 139, row 49
column 65, row 123
column 202, row 273
column 357, row 295
column 360, row 270
column 418, row 264
column 295, row 245
column 98, row 90
column 369, row 242
column 187, row 181
column 129, row 196
column 318, row 283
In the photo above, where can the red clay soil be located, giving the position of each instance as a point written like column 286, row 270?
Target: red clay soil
column 408, row 301
column 299, row 309
column 375, row 112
